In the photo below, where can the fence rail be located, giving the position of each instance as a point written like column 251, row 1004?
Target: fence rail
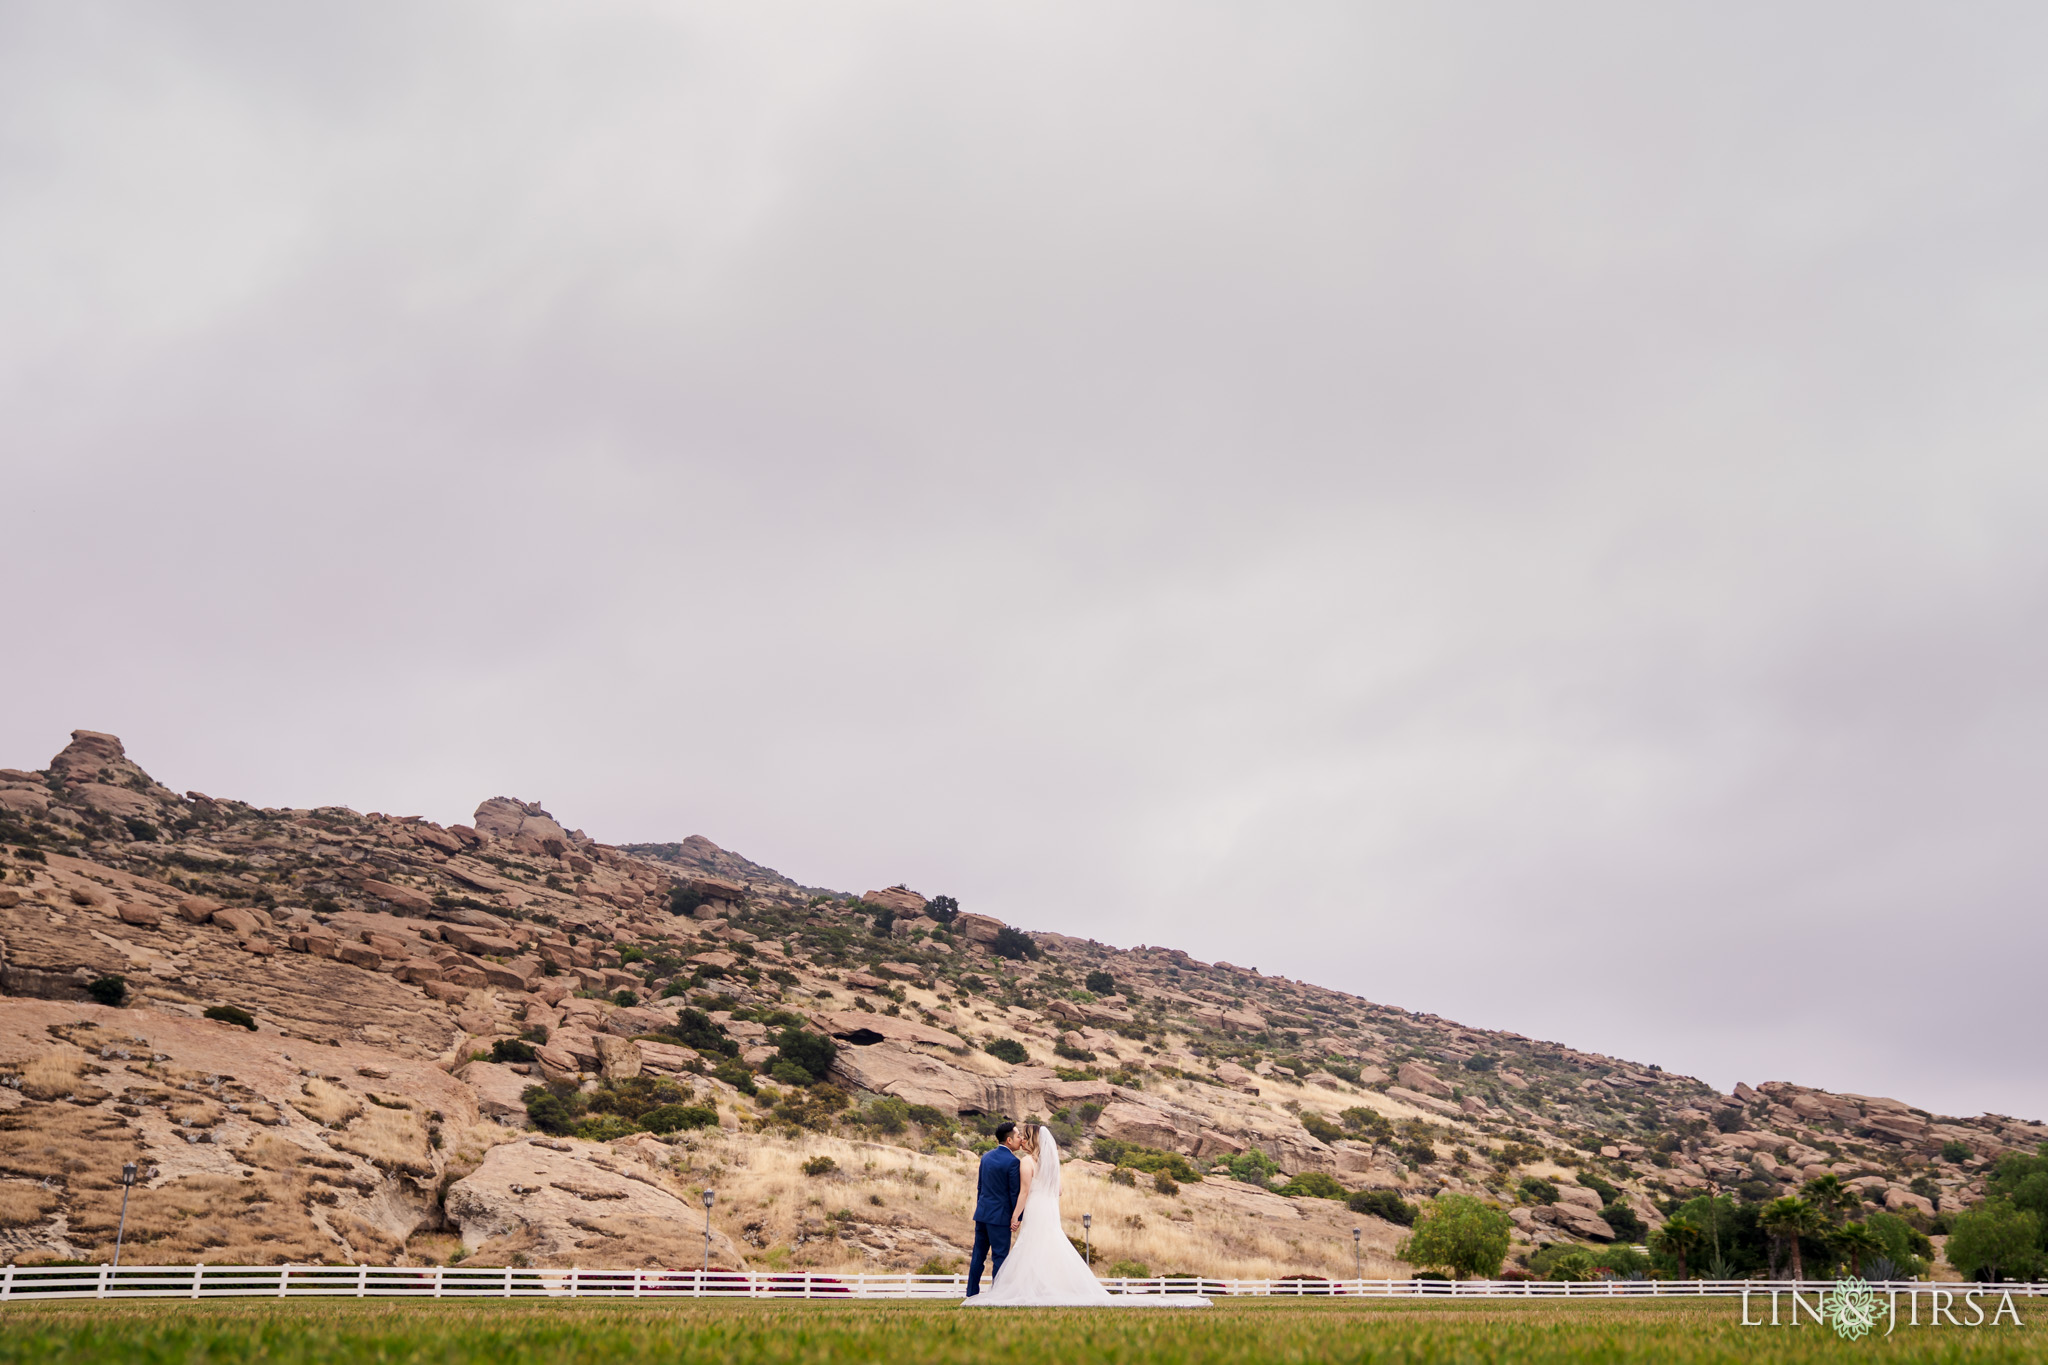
column 24, row 1283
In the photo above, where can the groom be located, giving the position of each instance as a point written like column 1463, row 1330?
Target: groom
column 995, row 1205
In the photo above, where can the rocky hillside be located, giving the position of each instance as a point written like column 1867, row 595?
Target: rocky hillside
column 326, row 1036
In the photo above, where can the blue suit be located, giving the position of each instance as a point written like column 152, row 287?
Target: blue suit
column 1002, row 1180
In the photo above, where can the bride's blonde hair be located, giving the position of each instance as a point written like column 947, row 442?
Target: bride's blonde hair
column 1027, row 1139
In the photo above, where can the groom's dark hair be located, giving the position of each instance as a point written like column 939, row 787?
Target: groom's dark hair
column 1004, row 1129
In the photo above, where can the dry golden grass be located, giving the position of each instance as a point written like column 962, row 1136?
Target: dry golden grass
column 391, row 1139
column 52, row 1075
column 327, row 1103
column 23, row 1204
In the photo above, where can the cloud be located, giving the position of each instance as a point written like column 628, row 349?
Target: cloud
column 1528, row 516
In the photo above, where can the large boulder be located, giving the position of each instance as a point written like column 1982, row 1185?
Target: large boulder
column 576, row 1207
column 403, row 898
column 893, row 1069
column 1148, row 1127
column 901, row 899
column 1897, row 1199
column 1578, row 1222
column 498, row 1089
column 1237, row 1078
column 1579, row 1196
column 977, row 928
column 523, row 825
column 1415, row 1076
column 862, row 1029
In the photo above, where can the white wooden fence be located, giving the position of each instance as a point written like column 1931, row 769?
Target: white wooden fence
column 23, row 1283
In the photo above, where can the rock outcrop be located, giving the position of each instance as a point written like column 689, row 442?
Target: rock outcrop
column 409, row 984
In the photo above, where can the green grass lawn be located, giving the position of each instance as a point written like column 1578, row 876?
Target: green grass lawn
column 940, row 1334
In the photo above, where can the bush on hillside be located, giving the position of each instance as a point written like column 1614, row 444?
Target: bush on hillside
column 232, row 1014
column 1383, row 1204
column 1006, row 1050
column 1015, row 945
column 1313, row 1185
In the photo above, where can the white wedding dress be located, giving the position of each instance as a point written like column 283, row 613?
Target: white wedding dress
column 1043, row 1270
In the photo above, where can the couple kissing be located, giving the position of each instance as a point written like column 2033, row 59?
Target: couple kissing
column 1017, row 1227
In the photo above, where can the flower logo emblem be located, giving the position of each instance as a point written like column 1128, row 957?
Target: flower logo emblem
column 1852, row 1306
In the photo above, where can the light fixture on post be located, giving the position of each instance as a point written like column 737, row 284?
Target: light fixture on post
column 127, row 1184
column 709, row 1196
column 1087, row 1241
column 1358, row 1253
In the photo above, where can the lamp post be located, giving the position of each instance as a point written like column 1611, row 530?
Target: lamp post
column 1088, row 1241
column 708, row 1198
column 1358, row 1253
column 127, row 1184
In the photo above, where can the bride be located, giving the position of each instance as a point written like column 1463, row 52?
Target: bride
column 1043, row 1269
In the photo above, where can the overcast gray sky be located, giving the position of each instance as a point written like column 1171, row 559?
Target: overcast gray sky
column 1528, row 512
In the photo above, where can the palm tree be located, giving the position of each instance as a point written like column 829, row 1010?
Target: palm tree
column 1857, row 1242
column 1678, row 1239
column 1830, row 1197
column 1787, row 1218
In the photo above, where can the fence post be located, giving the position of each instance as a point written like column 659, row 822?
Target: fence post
column 636, row 1282
column 7, row 1284
column 197, row 1271
column 362, row 1279
column 437, row 1281
column 284, row 1273
column 508, row 1281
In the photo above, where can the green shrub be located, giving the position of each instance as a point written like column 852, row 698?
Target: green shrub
column 1320, row 1128
column 694, row 1029
column 1383, row 1204
column 944, row 909
column 1124, row 1175
column 549, row 1112
column 735, row 1074
column 1955, row 1151
column 1101, row 983
column 673, row 1118
column 889, row 1114
column 1065, row 1049
column 682, row 900
column 1537, row 1190
column 820, row 1165
column 1608, row 1192
column 926, row 1117
column 1481, row 1063
column 1149, row 1160
column 1130, row 1270
column 1313, row 1185
column 1253, row 1167
column 624, row 998
column 232, row 1014
column 606, row 1127
column 109, row 990
column 511, row 1050
column 1165, row 1184
column 1626, row 1224
column 809, row 1055
column 1014, row 944
column 1006, row 1050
